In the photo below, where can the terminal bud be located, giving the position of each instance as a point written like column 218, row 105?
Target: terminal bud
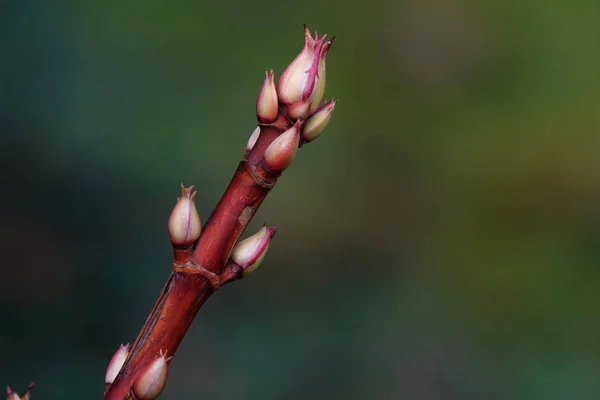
column 304, row 79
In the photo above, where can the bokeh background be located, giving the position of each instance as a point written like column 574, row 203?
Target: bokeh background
column 440, row 241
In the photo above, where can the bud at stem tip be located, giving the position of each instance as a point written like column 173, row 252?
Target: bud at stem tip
column 304, row 79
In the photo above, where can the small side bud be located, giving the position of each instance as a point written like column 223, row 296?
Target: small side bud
column 184, row 223
column 152, row 380
column 267, row 104
column 318, row 121
column 10, row 395
column 250, row 252
column 27, row 394
column 298, row 110
column 282, row 151
column 116, row 363
column 253, row 139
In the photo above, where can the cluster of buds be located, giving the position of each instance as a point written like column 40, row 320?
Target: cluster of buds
column 184, row 222
column 149, row 383
column 10, row 395
column 299, row 95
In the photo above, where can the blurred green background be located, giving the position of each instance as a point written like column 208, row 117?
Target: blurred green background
column 440, row 241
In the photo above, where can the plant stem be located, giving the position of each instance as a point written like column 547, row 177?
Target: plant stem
column 189, row 286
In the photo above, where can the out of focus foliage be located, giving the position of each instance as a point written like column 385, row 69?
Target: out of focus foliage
column 440, row 241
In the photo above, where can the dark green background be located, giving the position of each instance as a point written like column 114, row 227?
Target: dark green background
column 440, row 241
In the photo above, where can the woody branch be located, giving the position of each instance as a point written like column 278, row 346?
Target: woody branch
column 205, row 258
column 289, row 115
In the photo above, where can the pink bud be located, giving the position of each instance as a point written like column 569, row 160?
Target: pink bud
column 152, row 380
column 250, row 252
column 282, row 151
column 267, row 104
column 184, row 223
column 116, row 363
column 304, row 78
column 298, row 110
column 318, row 121
column 253, row 138
column 10, row 395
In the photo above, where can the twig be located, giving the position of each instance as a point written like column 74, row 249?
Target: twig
column 288, row 116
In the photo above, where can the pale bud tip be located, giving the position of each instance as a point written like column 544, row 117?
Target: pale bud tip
column 184, row 223
column 116, row 363
column 152, row 380
column 282, row 151
column 250, row 252
column 253, row 139
column 318, row 121
column 267, row 103
column 298, row 110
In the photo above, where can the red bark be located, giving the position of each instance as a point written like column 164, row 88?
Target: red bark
column 189, row 285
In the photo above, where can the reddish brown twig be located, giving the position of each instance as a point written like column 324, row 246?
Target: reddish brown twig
column 185, row 291
column 200, row 269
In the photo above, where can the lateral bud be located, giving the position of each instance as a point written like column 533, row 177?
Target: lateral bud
column 318, row 121
column 252, row 141
column 250, row 252
column 184, row 222
column 282, row 151
column 267, row 106
column 152, row 380
column 116, row 363
column 11, row 395
column 298, row 110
